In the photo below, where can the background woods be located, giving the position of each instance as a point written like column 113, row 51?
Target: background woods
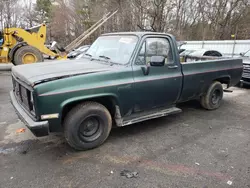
column 186, row 19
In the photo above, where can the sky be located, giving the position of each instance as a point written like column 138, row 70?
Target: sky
column 23, row 1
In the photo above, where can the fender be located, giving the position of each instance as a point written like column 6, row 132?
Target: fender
column 223, row 79
column 78, row 99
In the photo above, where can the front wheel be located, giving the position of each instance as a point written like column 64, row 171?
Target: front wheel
column 87, row 126
column 212, row 99
column 27, row 55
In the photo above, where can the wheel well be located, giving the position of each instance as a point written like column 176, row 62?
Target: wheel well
column 223, row 80
column 14, row 49
column 108, row 101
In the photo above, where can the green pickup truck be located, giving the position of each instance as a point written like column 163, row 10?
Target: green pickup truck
column 124, row 78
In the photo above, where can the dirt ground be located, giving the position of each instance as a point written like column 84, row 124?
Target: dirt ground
column 196, row 148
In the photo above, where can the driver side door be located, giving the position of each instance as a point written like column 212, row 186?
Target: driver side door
column 161, row 85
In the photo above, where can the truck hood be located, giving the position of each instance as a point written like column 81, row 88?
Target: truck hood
column 40, row 72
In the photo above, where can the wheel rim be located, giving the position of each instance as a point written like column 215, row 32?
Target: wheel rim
column 90, row 129
column 29, row 58
column 216, row 96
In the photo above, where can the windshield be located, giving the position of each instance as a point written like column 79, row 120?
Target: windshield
column 247, row 54
column 116, row 49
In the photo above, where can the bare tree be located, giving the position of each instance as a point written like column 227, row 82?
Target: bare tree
column 187, row 20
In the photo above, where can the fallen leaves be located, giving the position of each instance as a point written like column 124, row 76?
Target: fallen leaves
column 22, row 130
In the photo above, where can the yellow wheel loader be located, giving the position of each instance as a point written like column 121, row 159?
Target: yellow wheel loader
column 23, row 46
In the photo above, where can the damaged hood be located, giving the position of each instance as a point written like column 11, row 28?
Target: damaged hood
column 45, row 71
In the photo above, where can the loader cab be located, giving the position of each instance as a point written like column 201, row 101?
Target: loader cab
column 34, row 29
column 3, row 50
column 1, row 38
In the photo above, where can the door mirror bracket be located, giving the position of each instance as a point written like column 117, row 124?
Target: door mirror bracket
column 145, row 70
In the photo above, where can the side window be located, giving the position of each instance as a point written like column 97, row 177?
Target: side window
column 154, row 47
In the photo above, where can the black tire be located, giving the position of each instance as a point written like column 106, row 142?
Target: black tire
column 81, row 119
column 212, row 99
column 243, row 85
column 26, row 52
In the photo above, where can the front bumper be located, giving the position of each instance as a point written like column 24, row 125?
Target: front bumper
column 245, row 81
column 40, row 128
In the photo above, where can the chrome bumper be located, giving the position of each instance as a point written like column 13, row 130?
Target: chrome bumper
column 40, row 128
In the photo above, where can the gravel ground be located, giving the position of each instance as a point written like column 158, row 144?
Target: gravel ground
column 196, row 148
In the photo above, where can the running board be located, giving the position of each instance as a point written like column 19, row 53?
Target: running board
column 155, row 114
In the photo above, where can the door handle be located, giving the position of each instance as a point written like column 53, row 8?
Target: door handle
column 172, row 66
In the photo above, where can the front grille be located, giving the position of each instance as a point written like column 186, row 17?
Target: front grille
column 246, row 71
column 23, row 96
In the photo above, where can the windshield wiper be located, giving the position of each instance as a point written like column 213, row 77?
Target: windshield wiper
column 105, row 57
column 88, row 55
column 108, row 60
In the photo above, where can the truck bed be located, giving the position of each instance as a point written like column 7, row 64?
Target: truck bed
column 202, row 73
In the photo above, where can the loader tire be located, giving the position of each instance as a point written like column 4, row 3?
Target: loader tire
column 27, row 55
column 87, row 125
column 211, row 100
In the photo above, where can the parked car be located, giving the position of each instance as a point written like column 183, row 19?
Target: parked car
column 200, row 52
column 179, row 45
column 124, row 78
column 246, row 68
column 81, row 55
column 81, row 50
column 197, row 54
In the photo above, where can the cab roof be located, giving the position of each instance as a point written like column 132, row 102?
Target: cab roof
column 139, row 34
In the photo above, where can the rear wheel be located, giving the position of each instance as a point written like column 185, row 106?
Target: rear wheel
column 27, row 55
column 87, row 126
column 212, row 99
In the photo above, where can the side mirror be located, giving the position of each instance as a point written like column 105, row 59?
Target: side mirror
column 157, row 61
column 241, row 54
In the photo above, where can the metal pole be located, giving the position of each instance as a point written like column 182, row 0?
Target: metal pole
column 235, row 40
column 84, row 33
column 87, row 35
column 202, row 46
column 233, row 47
